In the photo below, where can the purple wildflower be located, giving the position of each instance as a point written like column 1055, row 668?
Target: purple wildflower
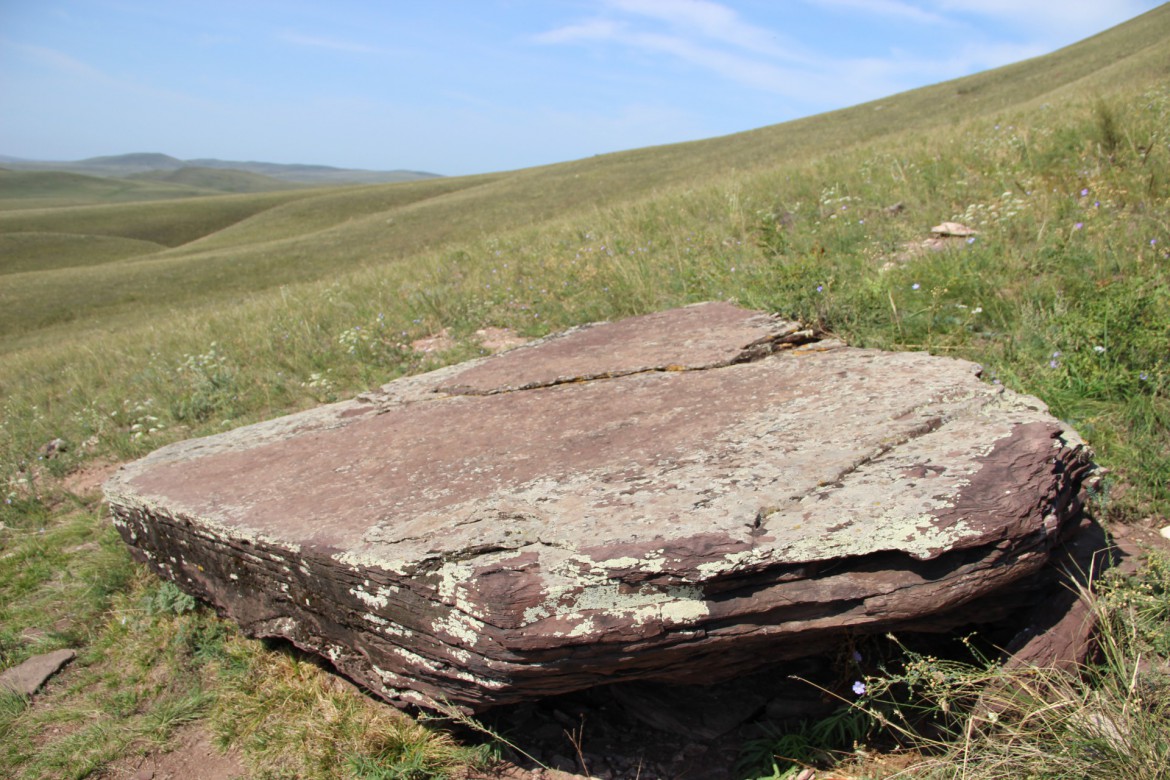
column 859, row 688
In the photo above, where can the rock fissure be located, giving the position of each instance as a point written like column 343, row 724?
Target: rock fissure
column 632, row 515
column 791, row 336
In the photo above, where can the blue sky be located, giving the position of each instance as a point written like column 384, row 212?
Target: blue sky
column 467, row 86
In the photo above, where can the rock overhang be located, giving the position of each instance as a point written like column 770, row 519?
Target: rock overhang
column 659, row 497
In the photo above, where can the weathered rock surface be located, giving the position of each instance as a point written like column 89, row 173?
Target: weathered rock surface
column 26, row 678
column 684, row 496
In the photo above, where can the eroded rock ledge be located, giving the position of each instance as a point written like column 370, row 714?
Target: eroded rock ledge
column 684, row 496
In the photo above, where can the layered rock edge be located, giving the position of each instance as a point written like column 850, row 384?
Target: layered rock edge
column 683, row 496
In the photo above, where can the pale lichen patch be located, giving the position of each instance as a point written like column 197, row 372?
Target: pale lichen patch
column 460, row 626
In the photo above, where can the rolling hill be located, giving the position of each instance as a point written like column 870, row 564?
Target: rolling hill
column 25, row 189
column 301, row 235
column 216, row 179
column 124, row 165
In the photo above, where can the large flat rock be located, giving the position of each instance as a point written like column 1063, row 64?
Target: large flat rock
column 683, row 496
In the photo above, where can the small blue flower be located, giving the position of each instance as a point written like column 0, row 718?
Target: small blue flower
column 859, row 688
column 820, row 288
column 1078, row 226
column 856, row 657
column 915, row 286
column 1085, row 192
column 1143, row 376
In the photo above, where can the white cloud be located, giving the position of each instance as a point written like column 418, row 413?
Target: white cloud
column 593, row 30
column 753, row 71
column 705, row 34
column 58, row 61
column 58, row 64
column 891, row 8
column 1053, row 12
column 707, row 19
column 1036, row 19
column 320, row 42
column 713, row 37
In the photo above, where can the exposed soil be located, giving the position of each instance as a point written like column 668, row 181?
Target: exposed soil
column 1134, row 540
column 194, row 756
column 89, row 478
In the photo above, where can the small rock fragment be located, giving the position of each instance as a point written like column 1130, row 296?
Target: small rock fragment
column 52, row 448
column 953, row 229
column 27, row 678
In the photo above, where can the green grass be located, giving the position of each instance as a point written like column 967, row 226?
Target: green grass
column 55, row 189
column 126, row 326
column 216, row 179
column 36, row 252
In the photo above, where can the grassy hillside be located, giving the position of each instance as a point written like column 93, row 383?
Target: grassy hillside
column 154, row 165
column 216, row 179
column 320, row 237
column 53, row 189
column 126, row 326
column 24, row 189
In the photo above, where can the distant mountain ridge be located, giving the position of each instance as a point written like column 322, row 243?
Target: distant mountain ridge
column 123, row 165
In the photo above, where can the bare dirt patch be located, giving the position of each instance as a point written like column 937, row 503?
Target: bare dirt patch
column 89, row 478
column 435, row 343
column 499, row 339
column 194, row 755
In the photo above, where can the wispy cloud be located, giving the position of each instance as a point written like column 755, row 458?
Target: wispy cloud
column 1092, row 13
column 1040, row 15
column 592, row 30
column 895, row 9
column 705, row 34
column 78, row 72
column 710, row 20
column 322, row 42
column 57, row 60
column 714, row 37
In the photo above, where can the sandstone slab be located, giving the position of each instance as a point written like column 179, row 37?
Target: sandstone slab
column 684, row 496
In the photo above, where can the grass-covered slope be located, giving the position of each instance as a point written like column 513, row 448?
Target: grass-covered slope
column 123, row 327
column 155, row 165
column 325, row 233
column 216, row 179
column 55, row 189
